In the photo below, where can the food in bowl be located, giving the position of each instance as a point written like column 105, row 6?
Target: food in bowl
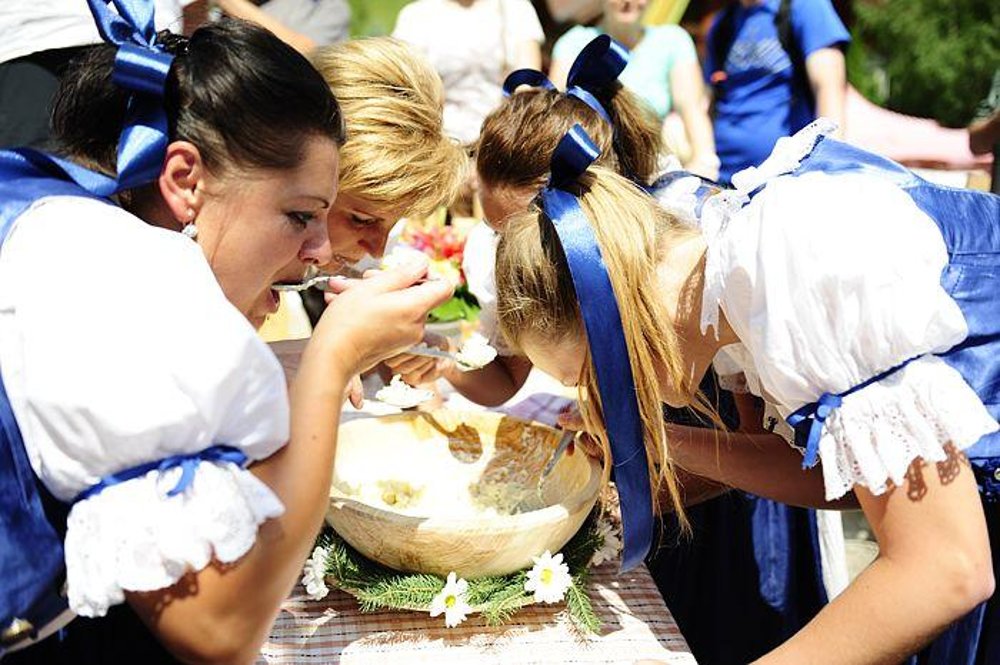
column 457, row 491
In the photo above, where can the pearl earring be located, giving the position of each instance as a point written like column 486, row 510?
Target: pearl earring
column 190, row 230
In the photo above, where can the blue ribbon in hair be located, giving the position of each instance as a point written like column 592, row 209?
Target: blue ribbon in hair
column 606, row 338
column 187, row 463
column 599, row 65
column 141, row 66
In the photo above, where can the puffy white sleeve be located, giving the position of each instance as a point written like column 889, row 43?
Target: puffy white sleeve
column 119, row 348
column 479, row 266
column 830, row 281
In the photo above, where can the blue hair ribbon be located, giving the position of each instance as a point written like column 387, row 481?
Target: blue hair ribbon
column 141, row 66
column 599, row 64
column 606, row 339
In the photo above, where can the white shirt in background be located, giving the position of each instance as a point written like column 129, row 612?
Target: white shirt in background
column 472, row 48
column 31, row 26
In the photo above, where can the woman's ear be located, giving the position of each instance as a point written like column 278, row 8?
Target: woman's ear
column 182, row 181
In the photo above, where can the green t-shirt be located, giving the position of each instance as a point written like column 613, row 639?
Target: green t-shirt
column 648, row 71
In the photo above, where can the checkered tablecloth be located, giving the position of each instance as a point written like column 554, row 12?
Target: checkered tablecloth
column 636, row 625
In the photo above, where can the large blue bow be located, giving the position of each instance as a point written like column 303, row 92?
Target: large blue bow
column 599, row 65
column 141, row 66
column 602, row 320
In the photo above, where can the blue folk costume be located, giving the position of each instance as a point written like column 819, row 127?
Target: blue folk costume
column 57, row 524
column 867, row 302
column 761, row 558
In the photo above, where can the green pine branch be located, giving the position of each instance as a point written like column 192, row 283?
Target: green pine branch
column 581, row 609
column 506, row 602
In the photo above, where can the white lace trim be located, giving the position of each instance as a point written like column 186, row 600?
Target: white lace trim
column 132, row 537
column 788, row 153
column 877, row 432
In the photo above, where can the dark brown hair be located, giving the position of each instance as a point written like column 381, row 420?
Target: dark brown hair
column 241, row 95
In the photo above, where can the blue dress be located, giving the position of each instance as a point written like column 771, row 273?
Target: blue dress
column 970, row 225
column 867, row 303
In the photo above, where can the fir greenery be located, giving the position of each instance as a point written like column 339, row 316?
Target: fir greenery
column 498, row 598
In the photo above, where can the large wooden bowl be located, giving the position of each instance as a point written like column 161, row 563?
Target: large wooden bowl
column 454, row 463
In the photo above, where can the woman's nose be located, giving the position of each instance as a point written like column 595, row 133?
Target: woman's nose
column 316, row 249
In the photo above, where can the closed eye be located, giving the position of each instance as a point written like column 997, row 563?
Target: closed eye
column 300, row 218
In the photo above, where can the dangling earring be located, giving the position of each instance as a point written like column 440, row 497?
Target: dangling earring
column 190, row 229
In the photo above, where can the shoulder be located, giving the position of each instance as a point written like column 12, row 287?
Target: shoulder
column 570, row 44
column 817, row 25
column 523, row 21
column 674, row 42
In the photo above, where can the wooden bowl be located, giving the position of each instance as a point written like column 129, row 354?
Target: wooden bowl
column 432, row 492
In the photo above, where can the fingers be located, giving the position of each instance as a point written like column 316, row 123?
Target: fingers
column 571, row 418
column 356, row 392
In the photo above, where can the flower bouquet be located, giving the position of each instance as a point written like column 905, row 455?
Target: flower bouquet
column 444, row 245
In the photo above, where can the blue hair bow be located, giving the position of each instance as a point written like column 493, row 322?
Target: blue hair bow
column 141, row 66
column 599, row 65
column 606, row 338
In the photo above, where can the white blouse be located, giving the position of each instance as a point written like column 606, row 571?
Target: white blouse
column 829, row 281
column 119, row 348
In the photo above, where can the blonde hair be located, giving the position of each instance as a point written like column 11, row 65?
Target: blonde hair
column 518, row 138
column 396, row 151
column 536, row 300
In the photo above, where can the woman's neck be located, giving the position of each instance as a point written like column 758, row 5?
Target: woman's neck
column 681, row 277
column 629, row 34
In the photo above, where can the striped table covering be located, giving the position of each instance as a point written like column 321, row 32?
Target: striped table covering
column 637, row 625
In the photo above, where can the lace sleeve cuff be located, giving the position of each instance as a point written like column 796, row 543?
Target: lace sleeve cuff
column 133, row 537
column 874, row 436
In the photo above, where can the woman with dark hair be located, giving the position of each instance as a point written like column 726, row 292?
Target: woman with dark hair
column 143, row 454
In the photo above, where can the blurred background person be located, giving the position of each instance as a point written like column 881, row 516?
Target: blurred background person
column 984, row 132
column 40, row 37
column 663, row 70
column 473, row 45
column 303, row 24
column 774, row 66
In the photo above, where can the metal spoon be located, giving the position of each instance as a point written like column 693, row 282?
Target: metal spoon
column 303, row 285
column 567, row 438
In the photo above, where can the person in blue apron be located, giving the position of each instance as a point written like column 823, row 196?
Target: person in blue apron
column 765, row 593
column 143, row 423
column 859, row 301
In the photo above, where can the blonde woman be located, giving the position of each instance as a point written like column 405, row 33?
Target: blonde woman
column 862, row 303
column 396, row 161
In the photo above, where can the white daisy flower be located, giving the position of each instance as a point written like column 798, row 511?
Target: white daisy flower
column 451, row 601
column 314, row 574
column 611, row 548
column 549, row 578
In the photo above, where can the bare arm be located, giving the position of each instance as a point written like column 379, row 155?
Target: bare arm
column 688, row 93
column 558, row 73
column 763, row 464
column 243, row 9
column 223, row 614
column 494, row 384
column 933, row 567
column 527, row 55
column 827, row 73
